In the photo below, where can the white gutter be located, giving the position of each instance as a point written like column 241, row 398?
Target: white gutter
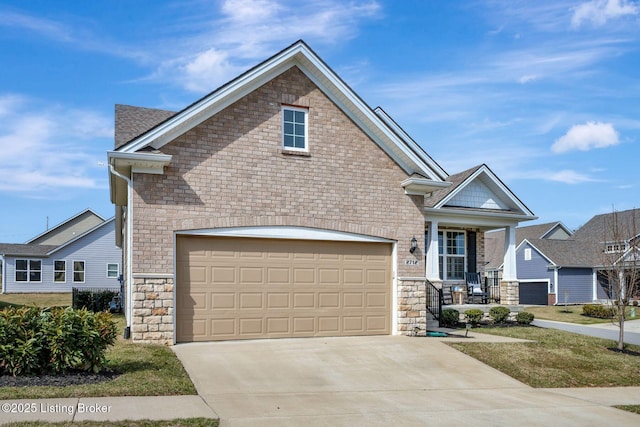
column 128, row 314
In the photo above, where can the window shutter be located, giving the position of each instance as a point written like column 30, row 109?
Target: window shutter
column 471, row 252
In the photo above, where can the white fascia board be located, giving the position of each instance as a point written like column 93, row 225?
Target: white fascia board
column 285, row 232
column 65, row 222
column 441, row 173
column 86, row 233
column 365, row 117
column 150, row 161
column 525, row 241
column 422, row 186
column 506, row 191
column 469, row 218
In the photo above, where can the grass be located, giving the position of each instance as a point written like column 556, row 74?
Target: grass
column 630, row 408
column 557, row 359
column 569, row 314
column 44, row 299
column 147, row 370
column 180, row 422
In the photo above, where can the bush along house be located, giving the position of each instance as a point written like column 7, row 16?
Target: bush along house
column 281, row 205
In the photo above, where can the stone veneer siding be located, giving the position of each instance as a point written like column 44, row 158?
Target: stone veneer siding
column 509, row 293
column 152, row 310
column 231, row 171
column 412, row 307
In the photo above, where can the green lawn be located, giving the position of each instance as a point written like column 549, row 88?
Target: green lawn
column 556, row 358
column 569, row 314
column 47, row 300
column 147, row 369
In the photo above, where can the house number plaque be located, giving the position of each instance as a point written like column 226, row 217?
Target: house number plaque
column 411, row 262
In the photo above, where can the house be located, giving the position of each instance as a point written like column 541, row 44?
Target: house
column 282, row 205
column 556, row 265
column 78, row 253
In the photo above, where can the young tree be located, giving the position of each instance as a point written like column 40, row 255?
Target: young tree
column 620, row 271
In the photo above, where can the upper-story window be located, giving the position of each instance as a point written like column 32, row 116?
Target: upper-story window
column 615, row 247
column 294, row 128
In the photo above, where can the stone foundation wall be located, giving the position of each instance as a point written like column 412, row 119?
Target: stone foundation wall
column 152, row 311
column 412, row 307
column 509, row 293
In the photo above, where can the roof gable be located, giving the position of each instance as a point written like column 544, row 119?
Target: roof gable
column 477, row 188
column 404, row 151
column 68, row 229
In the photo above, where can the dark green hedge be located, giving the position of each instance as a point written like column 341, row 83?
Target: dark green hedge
column 598, row 310
column 36, row 340
column 92, row 299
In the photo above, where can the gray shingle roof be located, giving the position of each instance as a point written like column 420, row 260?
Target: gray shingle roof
column 134, row 121
column 19, row 249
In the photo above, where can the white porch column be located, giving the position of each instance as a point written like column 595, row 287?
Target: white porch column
column 432, row 265
column 509, row 273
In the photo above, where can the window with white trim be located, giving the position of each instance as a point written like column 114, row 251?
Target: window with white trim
column 60, row 271
column 294, row 128
column 616, row 247
column 113, row 270
column 29, row 270
column 78, row 271
column 452, row 254
column 527, row 254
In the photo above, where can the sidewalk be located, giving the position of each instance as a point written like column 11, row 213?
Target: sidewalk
column 602, row 330
column 105, row 409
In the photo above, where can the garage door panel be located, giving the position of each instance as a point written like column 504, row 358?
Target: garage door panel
column 280, row 288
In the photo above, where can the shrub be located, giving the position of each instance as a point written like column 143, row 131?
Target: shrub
column 474, row 315
column 42, row 340
column 635, row 302
column 450, row 317
column 499, row 314
column 524, row 318
column 598, row 310
column 92, row 299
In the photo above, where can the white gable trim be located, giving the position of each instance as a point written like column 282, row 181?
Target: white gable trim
column 300, row 55
column 556, row 225
column 553, row 264
column 506, row 193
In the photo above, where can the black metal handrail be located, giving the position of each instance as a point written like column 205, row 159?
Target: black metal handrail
column 434, row 301
column 493, row 285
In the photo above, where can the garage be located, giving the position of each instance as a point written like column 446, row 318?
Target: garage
column 230, row 288
column 534, row 293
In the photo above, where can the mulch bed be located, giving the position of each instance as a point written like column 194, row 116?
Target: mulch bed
column 59, row 380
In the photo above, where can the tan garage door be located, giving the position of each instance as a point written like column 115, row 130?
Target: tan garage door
column 246, row 288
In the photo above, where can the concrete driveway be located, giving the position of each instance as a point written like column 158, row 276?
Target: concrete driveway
column 384, row 381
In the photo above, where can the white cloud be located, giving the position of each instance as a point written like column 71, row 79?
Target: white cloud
column 527, row 78
column 586, row 137
column 47, row 149
column 249, row 30
column 568, row 176
column 598, row 12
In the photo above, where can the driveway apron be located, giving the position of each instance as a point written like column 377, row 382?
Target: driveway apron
column 382, row 380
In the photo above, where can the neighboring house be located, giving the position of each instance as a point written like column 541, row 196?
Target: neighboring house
column 555, row 265
column 78, row 253
column 281, row 205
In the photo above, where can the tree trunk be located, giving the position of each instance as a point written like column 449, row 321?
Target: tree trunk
column 621, row 330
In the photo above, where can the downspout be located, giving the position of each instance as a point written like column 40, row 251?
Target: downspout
column 128, row 245
column 4, row 275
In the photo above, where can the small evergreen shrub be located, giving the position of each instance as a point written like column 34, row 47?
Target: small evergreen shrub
column 499, row 314
column 450, row 317
column 524, row 318
column 37, row 340
column 635, row 302
column 474, row 315
column 597, row 310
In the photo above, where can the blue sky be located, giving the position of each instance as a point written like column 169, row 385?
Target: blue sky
column 545, row 92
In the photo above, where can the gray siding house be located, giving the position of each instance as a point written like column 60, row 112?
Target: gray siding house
column 555, row 265
column 86, row 257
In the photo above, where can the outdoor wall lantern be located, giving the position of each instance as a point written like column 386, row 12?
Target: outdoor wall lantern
column 414, row 245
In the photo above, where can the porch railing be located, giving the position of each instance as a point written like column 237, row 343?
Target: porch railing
column 493, row 285
column 434, row 301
